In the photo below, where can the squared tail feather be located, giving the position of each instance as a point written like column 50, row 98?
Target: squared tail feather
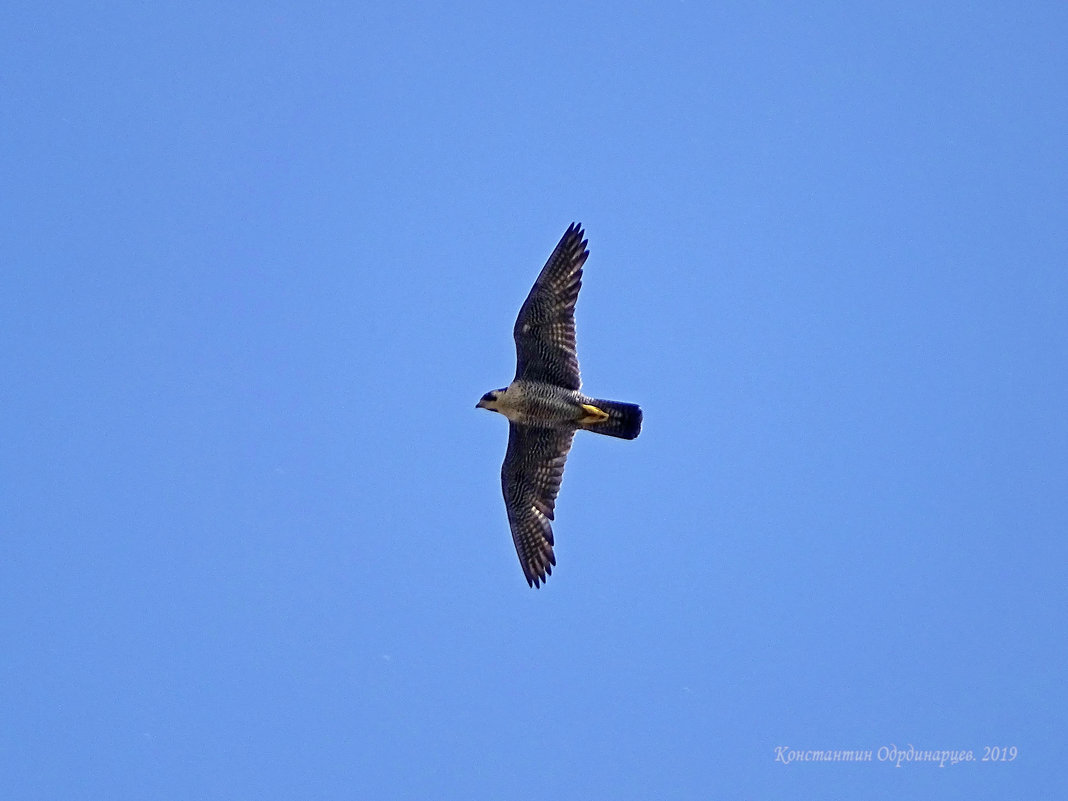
column 624, row 419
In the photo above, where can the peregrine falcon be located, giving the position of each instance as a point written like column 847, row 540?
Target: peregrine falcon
column 544, row 406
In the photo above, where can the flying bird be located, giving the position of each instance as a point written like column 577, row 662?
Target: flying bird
column 545, row 407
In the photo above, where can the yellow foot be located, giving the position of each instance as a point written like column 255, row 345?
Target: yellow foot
column 592, row 415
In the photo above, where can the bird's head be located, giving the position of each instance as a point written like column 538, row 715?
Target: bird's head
column 491, row 400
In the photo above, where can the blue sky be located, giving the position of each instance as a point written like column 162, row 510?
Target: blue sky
column 261, row 262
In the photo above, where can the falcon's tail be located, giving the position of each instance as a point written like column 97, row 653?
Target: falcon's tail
column 624, row 419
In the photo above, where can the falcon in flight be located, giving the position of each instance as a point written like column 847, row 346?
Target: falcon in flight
column 544, row 406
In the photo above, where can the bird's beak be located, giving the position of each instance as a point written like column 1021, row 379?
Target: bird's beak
column 480, row 405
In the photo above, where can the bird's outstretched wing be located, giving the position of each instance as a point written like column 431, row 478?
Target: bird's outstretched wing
column 545, row 329
column 531, row 475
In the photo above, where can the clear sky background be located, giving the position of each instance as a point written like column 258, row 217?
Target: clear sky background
column 259, row 261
